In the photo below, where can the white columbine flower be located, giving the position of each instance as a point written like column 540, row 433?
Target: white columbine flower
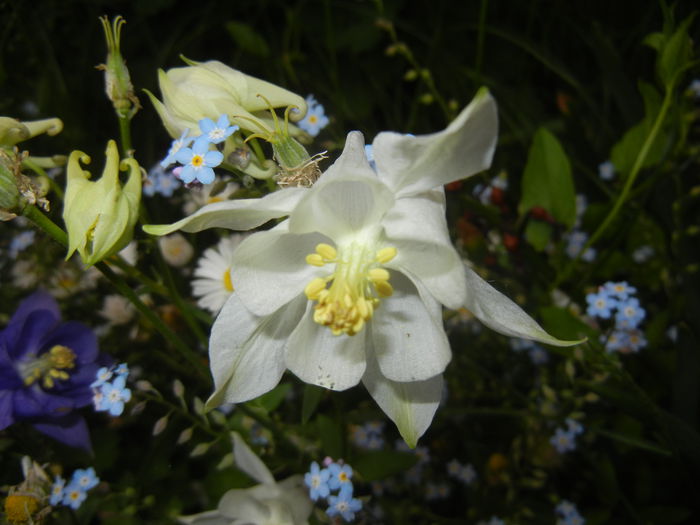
column 269, row 503
column 213, row 285
column 349, row 287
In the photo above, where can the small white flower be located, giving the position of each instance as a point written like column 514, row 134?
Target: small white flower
column 175, row 249
column 117, row 310
column 213, row 285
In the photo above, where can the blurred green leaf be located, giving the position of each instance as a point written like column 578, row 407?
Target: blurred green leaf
column 538, row 233
column 625, row 152
column 675, row 55
column 547, row 179
column 331, row 436
column 381, row 464
column 273, row 398
column 248, row 39
column 312, row 397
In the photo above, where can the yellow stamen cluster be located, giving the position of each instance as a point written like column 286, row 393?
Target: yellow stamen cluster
column 355, row 288
column 19, row 508
column 50, row 367
column 197, row 161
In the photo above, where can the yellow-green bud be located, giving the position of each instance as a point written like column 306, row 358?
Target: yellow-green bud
column 100, row 215
column 211, row 89
column 13, row 131
column 117, row 79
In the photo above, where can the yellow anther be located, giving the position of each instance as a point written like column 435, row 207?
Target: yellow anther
column 384, row 288
column 314, row 259
column 314, row 288
column 386, row 254
column 378, row 274
column 326, row 251
column 348, row 297
column 62, row 357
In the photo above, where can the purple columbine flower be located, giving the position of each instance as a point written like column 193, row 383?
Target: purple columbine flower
column 46, row 368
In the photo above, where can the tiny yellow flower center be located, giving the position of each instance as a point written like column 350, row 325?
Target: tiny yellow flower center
column 19, row 508
column 227, row 280
column 197, row 161
column 313, row 119
column 49, row 367
column 356, row 285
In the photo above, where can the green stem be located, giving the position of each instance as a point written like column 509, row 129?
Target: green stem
column 125, row 134
column 622, row 198
column 47, row 225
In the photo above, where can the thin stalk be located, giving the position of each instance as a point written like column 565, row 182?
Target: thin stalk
column 125, row 134
column 622, row 198
column 481, row 32
column 47, row 225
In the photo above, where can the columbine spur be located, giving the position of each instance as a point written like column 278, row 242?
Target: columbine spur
column 349, row 288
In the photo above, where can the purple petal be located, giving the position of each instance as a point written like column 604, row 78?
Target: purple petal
column 6, row 412
column 76, row 336
column 70, row 430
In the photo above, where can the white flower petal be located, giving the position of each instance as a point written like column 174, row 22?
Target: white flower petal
column 409, row 164
column 318, row 357
column 239, row 214
column 248, row 462
column 408, row 337
column 270, row 269
column 411, row 406
column 416, row 227
column 501, row 314
column 346, row 199
column 246, row 351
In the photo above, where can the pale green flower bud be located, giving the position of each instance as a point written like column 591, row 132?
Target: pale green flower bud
column 100, row 215
column 13, row 131
column 117, row 79
column 211, row 89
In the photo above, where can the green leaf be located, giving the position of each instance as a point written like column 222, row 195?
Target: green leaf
column 331, row 436
column 248, row 39
column 381, row 464
column 273, row 398
column 624, row 153
column 547, row 180
column 538, row 233
column 312, row 397
column 675, row 55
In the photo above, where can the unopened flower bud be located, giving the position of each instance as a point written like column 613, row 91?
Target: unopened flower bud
column 13, row 131
column 100, row 215
column 117, row 79
column 211, row 89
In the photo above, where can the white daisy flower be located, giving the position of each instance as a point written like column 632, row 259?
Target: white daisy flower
column 212, row 285
column 117, row 310
column 175, row 249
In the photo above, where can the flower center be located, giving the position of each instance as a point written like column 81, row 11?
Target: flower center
column 197, row 161
column 356, row 285
column 19, row 508
column 227, row 280
column 49, row 367
column 217, row 134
